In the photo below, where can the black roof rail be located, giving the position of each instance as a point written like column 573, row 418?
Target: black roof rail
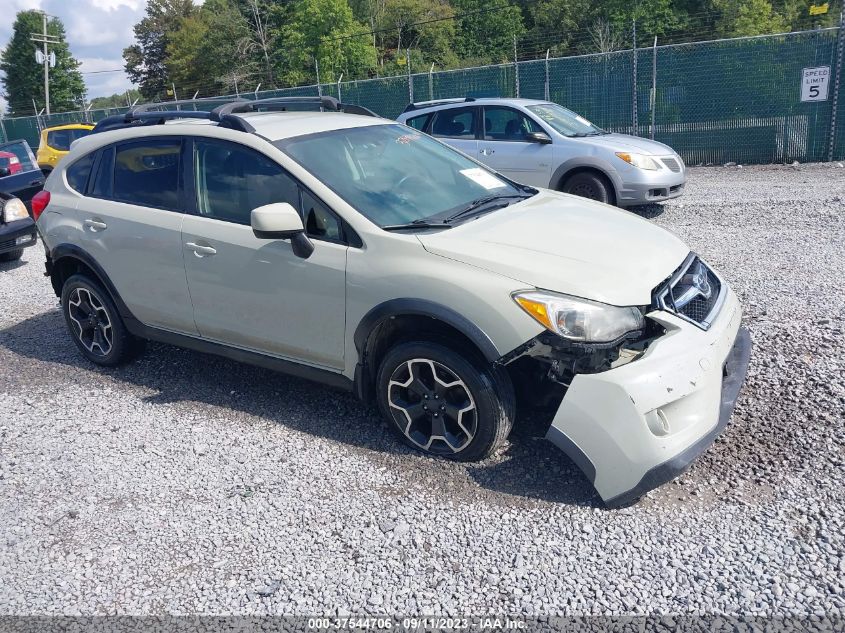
column 223, row 115
column 129, row 119
column 147, row 107
column 283, row 104
column 419, row 105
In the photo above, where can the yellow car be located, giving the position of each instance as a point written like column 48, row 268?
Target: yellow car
column 55, row 143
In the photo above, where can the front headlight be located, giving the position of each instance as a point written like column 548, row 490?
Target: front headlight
column 579, row 319
column 14, row 209
column 639, row 160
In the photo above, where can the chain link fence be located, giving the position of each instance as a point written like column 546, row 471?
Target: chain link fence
column 735, row 100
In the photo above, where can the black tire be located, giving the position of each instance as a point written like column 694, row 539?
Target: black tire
column 101, row 336
column 490, row 394
column 12, row 256
column 588, row 185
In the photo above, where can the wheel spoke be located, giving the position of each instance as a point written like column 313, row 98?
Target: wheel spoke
column 432, row 406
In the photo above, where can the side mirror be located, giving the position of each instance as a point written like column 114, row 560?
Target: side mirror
column 538, row 137
column 4, row 171
column 280, row 221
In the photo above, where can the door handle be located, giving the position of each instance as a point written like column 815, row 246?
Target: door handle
column 486, row 151
column 96, row 225
column 35, row 183
column 200, row 250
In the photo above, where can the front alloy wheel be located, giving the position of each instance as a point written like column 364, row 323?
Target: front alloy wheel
column 443, row 401
column 433, row 406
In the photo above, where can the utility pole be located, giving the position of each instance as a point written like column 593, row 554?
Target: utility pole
column 44, row 38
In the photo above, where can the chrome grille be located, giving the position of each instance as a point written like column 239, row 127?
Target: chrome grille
column 672, row 164
column 694, row 292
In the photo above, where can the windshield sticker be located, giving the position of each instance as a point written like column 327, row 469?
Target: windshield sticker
column 406, row 139
column 483, row 178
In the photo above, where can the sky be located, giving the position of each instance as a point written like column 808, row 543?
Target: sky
column 97, row 32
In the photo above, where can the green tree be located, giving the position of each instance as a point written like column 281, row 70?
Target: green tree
column 146, row 60
column 486, row 29
column 424, row 26
column 327, row 31
column 751, row 17
column 654, row 17
column 24, row 77
column 208, row 47
column 117, row 100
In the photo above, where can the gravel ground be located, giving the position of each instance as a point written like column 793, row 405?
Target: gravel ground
column 185, row 483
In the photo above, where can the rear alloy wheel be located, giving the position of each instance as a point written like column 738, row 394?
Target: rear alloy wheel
column 588, row 185
column 443, row 404
column 95, row 324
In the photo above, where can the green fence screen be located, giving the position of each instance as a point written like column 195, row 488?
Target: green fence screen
column 736, row 100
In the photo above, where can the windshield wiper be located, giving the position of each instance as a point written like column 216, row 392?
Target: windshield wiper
column 416, row 225
column 476, row 205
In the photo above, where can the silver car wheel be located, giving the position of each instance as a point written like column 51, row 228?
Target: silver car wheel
column 91, row 322
column 432, row 406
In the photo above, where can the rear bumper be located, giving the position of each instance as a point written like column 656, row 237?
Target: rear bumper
column 17, row 234
column 640, row 425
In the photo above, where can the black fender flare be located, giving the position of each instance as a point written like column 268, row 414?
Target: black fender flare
column 413, row 307
column 72, row 251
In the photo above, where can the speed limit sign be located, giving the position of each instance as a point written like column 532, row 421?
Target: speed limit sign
column 814, row 82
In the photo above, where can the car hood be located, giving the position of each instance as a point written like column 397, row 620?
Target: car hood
column 626, row 143
column 566, row 244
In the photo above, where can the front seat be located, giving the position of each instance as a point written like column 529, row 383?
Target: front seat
column 513, row 130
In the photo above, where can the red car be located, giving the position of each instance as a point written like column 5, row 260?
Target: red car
column 11, row 162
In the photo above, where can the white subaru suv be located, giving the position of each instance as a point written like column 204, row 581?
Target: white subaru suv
column 359, row 252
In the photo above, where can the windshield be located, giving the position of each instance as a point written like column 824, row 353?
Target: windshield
column 565, row 121
column 395, row 175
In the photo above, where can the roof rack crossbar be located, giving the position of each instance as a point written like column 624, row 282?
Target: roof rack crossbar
column 282, row 103
column 147, row 107
column 117, row 121
column 224, row 115
column 419, row 105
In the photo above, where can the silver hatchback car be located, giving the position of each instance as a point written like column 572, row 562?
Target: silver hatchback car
column 545, row 145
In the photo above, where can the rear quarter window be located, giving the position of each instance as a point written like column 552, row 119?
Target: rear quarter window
column 419, row 122
column 79, row 172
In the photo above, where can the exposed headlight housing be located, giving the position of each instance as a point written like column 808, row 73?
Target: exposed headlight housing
column 577, row 319
column 14, row 209
column 639, row 160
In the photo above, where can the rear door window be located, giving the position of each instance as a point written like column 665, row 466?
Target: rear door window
column 101, row 185
column 61, row 139
column 146, row 173
column 455, row 123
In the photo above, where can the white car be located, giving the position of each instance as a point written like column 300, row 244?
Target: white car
column 361, row 253
column 545, row 145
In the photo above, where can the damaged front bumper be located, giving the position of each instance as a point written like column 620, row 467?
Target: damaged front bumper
column 639, row 425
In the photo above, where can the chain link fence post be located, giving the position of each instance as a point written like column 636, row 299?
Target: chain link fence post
column 516, row 66
column 410, row 80
column 653, row 100
column 431, row 82
column 546, row 92
column 837, row 80
column 634, row 120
